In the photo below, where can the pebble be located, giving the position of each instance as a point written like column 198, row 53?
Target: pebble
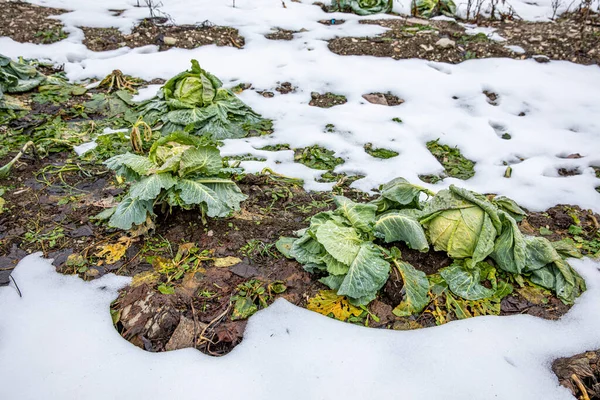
column 169, row 41
column 445, row 43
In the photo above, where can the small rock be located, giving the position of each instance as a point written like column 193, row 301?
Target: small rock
column 445, row 43
column 541, row 59
column 426, row 47
column 534, row 39
column 375, row 99
column 169, row 41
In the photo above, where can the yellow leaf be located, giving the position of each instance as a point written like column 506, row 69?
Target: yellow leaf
column 226, row 262
column 535, row 295
column 2, row 203
column 327, row 302
column 111, row 253
column 149, row 277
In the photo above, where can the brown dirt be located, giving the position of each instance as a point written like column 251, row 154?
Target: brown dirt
column 281, row 34
column 558, row 219
column 25, row 22
column 164, row 36
column 581, row 371
column 416, row 38
column 326, row 100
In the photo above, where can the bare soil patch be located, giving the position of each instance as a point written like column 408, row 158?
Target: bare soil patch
column 569, row 39
column 149, row 32
column 27, row 23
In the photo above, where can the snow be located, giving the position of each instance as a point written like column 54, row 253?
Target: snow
column 58, row 342
column 560, row 109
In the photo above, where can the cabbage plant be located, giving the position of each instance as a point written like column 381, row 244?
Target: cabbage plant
column 180, row 171
column 16, row 77
column 349, row 247
column 340, row 244
column 196, row 102
column 363, row 7
column 432, row 8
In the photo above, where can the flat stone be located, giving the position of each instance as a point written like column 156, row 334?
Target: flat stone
column 375, row 99
column 169, row 41
column 445, row 43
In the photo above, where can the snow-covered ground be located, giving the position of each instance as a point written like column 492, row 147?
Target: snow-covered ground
column 557, row 98
column 58, row 342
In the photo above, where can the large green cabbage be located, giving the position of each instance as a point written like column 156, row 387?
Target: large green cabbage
column 462, row 223
column 363, row 7
column 196, row 102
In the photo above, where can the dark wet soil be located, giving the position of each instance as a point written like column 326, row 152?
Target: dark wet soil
column 326, row 100
column 569, row 38
column 165, row 36
column 27, row 23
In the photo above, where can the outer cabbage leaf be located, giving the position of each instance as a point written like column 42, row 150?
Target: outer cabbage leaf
column 465, row 282
column 416, row 290
column 139, row 164
column 361, row 216
column 368, row 272
column 204, row 160
column 400, row 225
column 399, row 193
column 341, row 242
column 130, row 212
column 194, row 192
column 150, row 187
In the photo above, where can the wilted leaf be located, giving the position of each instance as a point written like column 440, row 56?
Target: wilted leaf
column 243, row 308
column 149, row 277
column 327, row 302
column 111, row 253
column 284, row 245
column 416, row 290
column 226, row 262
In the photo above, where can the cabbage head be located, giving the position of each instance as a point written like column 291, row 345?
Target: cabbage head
column 433, row 8
column 462, row 223
column 363, row 7
column 193, row 88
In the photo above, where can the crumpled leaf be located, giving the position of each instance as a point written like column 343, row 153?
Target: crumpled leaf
column 465, row 282
column 399, row 225
column 399, row 193
column 225, row 262
column 243, row 308
column 284, row 245
column 16, row 77
column 341, row 242
column 361, row 216
column 111, row 253
column 327, row 302
column 367, row 273
column 130, row 212
column 416, row 290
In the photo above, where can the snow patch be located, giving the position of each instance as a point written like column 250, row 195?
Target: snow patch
column 58, row 342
